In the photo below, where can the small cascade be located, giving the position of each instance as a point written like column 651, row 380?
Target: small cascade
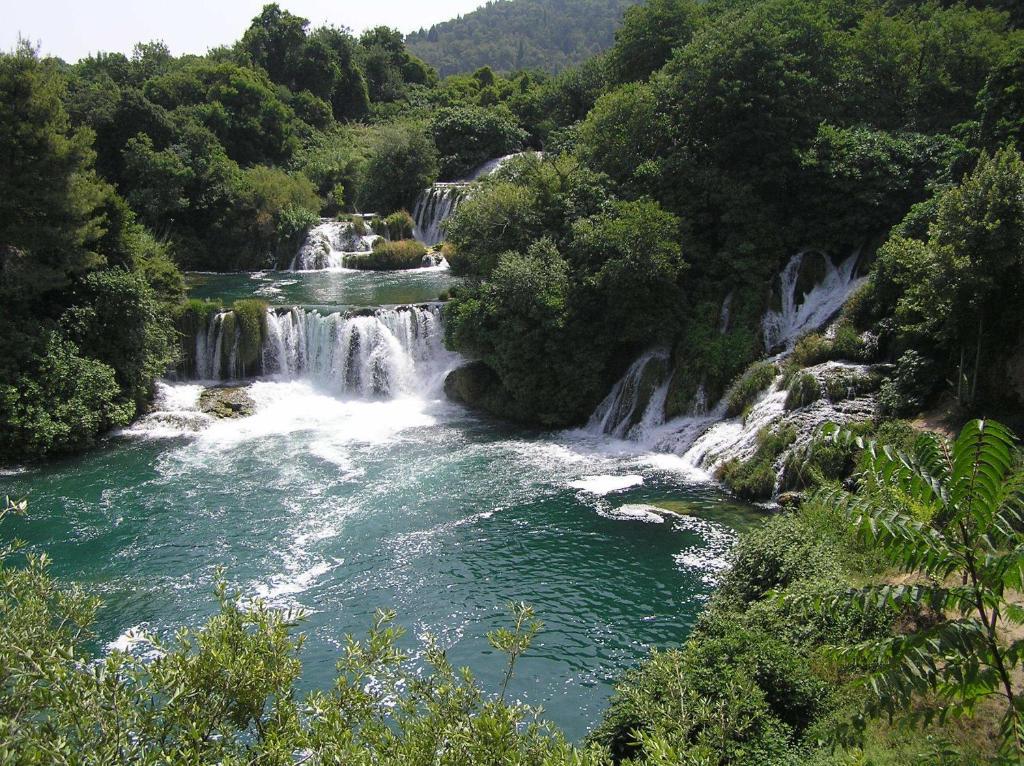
column 437, row 204
column 806, row 305
column 385, row 353
column 433, row 207
column 492, row 166
column 209, row 348
column 811, row 293
column 737, row 438
column 724, row 316
column 636, row 404
column 328, row 243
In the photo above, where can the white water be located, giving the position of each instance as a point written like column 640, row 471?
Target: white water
column 328, row 243
column 633, row 408
column 704, row 440
column 433, row 207
column 175, row 411
column 394, row 352
column 801, row 314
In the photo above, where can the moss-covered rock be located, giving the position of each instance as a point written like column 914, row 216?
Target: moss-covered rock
column 390, row 256
column 251, row 325
column 477, row 386
column 227, row 402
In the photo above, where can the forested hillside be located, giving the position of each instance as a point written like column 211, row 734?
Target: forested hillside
column 511, row 35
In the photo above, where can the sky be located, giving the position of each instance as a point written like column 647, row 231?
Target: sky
column 72, row 29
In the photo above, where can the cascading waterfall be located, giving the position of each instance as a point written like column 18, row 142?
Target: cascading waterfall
column 328, row 243
column 392, row 352
column 433, row 207
column 812, row 308
column 388, row 353
column 636, row 404
column 634, row 408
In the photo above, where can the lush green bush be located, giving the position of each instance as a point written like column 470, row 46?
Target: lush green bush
column 782, row 551
column 803, row 390
column 389, row 256
column 749, row 387
column 466, row 137
column 911, row 385
column 394, row 227
column 60, row 404
column 402, row 162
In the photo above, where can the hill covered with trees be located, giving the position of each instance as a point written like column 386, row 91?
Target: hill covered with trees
column 511, row 35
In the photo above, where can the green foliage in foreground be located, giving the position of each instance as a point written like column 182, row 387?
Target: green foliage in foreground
column 901, row 599
column 950, row 517
column 225, row 693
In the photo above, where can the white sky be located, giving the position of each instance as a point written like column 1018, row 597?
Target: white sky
column 72, row 29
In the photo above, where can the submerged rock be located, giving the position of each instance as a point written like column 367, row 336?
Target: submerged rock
column 227, row 402
column 650, row 514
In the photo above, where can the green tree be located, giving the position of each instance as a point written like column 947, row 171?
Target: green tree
column 649, row 33
column 466, row 137
column 402, row 162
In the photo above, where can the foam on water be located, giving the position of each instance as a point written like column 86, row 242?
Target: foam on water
column 604, row 484
column 175, row 412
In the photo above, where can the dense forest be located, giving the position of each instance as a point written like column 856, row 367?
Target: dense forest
column 876, row 621
column 516, row 35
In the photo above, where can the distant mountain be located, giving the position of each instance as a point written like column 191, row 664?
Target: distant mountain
column 521, row 34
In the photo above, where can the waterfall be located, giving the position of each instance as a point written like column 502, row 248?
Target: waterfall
column 811, row 293
column 433, row 207
column 437, row 204
column 813, row 307
column 636, row 404
column 388, row 353
column 328, row 243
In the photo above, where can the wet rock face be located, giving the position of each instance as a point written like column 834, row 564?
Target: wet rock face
column 227, row 402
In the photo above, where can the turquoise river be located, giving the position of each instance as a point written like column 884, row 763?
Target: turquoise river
column 342, row 505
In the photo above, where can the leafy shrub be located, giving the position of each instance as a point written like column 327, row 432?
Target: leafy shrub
column 803, row 390
column 61, row 404
column 784, row 550
column 389, row 256
column 813, row 348
column 911, row 385
column 726, row 711
column 402, row 162
column 397, row 226
column 847, row 343
column 745, row 391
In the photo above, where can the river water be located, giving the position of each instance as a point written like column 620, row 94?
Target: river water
column 342, row 505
